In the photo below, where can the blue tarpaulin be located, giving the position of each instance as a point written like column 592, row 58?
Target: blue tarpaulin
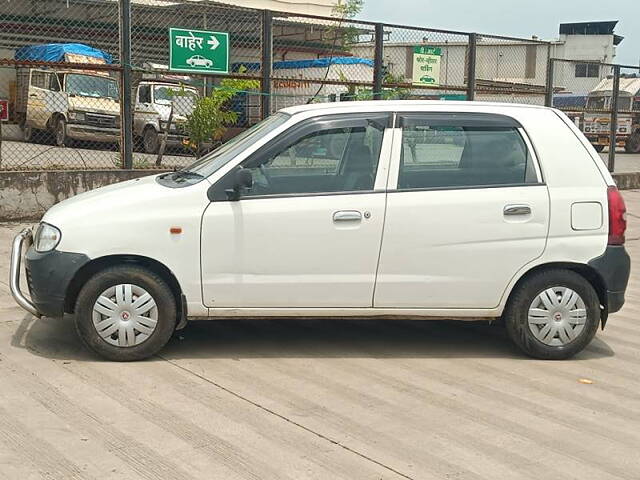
column 54, row 52
column 313, row 63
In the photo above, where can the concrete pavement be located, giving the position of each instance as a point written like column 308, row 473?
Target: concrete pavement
column 319, row 399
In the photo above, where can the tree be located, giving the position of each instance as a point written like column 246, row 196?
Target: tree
column 348, row 8
column 211, row 115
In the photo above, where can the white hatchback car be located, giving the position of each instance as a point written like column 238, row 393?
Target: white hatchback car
column 368, row 209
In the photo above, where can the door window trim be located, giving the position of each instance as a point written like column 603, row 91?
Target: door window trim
column 458, row 119
column 311, row 125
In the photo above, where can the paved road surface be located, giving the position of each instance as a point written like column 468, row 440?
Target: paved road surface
column 319, row 400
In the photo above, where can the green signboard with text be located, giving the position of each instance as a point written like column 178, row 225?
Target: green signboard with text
column 426, row 65
column 198, row 51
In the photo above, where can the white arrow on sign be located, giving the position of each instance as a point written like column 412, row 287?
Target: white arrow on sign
column 214, row 42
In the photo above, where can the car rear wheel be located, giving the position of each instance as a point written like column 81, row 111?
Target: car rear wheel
column 553, row 314
column 633, row 143
column 125, row 313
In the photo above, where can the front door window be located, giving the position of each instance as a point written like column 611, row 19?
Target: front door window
column 333, row 160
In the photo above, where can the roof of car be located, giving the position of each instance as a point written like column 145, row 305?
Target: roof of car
column 400, row 105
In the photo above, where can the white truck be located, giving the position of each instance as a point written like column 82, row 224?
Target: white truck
column 597, row 126
column 68, row 104
column 157, row 102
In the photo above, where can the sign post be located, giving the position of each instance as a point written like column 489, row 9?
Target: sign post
column 198, row 51
column 4, row 116
column 426, row 66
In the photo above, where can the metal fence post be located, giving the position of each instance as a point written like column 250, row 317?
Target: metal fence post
column 471, row 66
column 126, row 112
column 614, row 117
column 267, row 59
column 548, row 101
column 378, row 62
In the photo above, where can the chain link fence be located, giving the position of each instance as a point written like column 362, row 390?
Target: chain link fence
column 603, row 100
column 116, row 101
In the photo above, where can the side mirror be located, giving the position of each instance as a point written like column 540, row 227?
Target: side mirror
column 243, row 178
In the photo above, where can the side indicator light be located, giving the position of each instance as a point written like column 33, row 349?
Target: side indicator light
column 175, row 230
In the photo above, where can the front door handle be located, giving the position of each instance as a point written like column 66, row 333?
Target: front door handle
column 347, row 216
column 511, row 210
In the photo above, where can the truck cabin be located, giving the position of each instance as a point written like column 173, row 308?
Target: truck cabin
column 163, row 93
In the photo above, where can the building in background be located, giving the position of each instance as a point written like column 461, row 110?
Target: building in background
column 306, row 7
column 517, row 64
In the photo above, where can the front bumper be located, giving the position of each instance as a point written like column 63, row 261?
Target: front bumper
column 23, row 238
column 48, row 276
column 79, row 131
column 604, row 140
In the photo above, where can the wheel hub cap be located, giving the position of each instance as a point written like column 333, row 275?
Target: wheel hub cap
column 125, row 315
column 557, row 316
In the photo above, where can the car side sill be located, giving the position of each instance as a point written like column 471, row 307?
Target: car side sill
column 364, row 313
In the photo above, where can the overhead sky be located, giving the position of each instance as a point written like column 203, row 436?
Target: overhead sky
column 518, row 18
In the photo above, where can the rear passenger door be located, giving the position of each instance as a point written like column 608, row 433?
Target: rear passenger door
column 467, row 208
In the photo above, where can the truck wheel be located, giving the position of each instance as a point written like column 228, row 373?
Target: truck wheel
column 553, row 315
column 60, row 133
column 150, row 140
column 599, row 148
column 125, row 313
column 27, row 134
column 633, row 143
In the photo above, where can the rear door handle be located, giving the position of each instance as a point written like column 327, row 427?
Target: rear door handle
column 347, row 216
column 511, row 210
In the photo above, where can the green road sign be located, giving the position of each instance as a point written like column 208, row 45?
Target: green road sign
column 198, row 51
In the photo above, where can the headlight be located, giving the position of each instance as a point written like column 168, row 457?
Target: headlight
column 77, row 116
column 47, row 238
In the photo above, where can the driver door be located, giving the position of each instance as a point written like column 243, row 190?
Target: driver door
column 307, row 233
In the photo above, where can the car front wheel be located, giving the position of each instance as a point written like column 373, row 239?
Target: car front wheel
column 553, row 314
column 125, row 313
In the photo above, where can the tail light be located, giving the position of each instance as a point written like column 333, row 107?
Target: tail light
column 617, row 216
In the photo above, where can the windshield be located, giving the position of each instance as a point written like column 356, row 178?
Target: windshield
column 604, row 103
column 596, row 103
column 624, row 104
column 213, row 161
column 91, row 86
column 166, row 94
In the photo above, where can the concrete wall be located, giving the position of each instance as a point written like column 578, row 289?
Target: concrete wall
column 27, row 195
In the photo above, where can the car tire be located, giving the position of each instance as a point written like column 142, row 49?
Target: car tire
column 568, row 332
column 599, row 148
column 150, row 140
column 633, row 143
column 138, row 330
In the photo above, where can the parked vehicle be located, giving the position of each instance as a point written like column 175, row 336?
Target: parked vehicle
column 68, row 104
column 399, row 222
column 597, row 126
column 156, row 101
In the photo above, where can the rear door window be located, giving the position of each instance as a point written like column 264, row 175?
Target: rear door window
column 463, row 151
